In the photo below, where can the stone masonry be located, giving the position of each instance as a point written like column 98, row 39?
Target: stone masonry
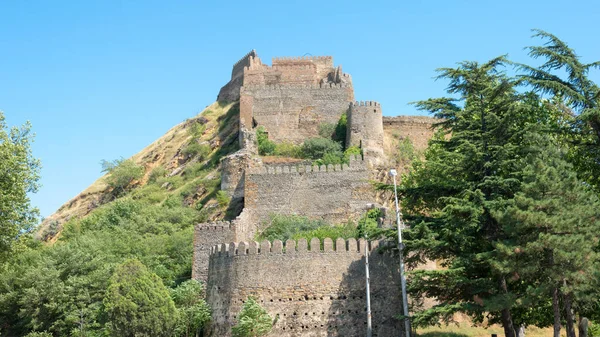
column 316, row 288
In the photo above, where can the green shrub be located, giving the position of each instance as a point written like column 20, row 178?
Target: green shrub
column 253, row 320
column 156, row 173
column 195, row 170
column 194, row 149
column 340, row 129
column 39, row 334
column 196, row 129
column 121, row 173
column 223, row 199
column 286, row 149
column 368, row 226
column 283, row 227
column 266, row 147
column 173, row 201
column 138, row 303
column 193, row 311
column 406, row 152
column 190, row 188
column 327, row 130
column 152, row 194
column 171, row 183
column 344, row 231
column 352, row 151
column 316, row 148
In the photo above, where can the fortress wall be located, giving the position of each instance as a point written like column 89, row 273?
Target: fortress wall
column 238, row 67
column 206, row 235
column 309, row 289
column 334, row 193
column 294, row 112
column 324, row 64
column 417, row 128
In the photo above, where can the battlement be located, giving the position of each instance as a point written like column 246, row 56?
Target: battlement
column 291, row 247
column 366, row 103
column 245, row 58
column 356, row 163
column 215, row 226
column 295, row 86
column 301, row 58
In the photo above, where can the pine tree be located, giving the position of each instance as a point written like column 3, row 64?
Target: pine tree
column 556, row 221
column 566, row 78
column 471, row 169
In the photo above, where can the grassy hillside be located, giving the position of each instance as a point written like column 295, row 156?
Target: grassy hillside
column 181, row 164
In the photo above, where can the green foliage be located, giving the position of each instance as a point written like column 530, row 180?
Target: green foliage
column 286, row 149
column 452, row 198
column 283, row 227
column 317, row 148
column 223, row 199
column 253, row 320
column 340, row 129
column 266, row 147
column 137, row 303
column 344, row 231
column 196, row 129
column 327, row 130
column 156, row 173
column 39, row 334
column 567, row 79
column 121, row 173
column 368, row 226
column 193, row 311
column 406, row 152
column 152, row 194
column 19, row 175
column 196, row 150
column 594, row 330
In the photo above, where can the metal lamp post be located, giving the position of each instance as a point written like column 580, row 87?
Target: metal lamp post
column 393, row 173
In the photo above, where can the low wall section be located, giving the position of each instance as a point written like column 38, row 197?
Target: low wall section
column 315, row 289
column 334, row 193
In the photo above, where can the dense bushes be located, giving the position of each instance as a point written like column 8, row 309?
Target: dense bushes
column 121, row 173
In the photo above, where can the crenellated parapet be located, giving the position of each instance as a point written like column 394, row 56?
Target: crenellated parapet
column 365, row 104
column 313, row 287
column 295, row 86
column 287, row 59
column 303, row 246
column 356, row 163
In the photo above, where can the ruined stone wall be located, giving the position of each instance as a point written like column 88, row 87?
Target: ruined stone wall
column 294, row 112
column 231, row 91
column 365, row 128
column 416, row 128
column 308, row 291
column 334, row 193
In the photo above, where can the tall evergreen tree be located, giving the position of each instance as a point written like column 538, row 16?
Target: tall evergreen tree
column 565, row 77
column 471, row 169
column 556, row 221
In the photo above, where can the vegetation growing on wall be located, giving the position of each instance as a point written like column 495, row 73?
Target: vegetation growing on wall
column 327, row 148
column 253, row 320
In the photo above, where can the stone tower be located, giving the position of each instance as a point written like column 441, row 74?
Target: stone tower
column 365, row 129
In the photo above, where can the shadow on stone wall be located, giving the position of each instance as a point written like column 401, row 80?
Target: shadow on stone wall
column 348, row 312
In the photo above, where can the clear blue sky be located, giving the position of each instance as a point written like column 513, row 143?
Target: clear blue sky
column 102, row 79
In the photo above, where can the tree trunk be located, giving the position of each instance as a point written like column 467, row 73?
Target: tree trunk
column 506, row 318
column 583, row 327
column 556, row 310
column 568, row 300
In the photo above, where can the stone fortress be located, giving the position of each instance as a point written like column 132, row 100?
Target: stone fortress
column 310, row 288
